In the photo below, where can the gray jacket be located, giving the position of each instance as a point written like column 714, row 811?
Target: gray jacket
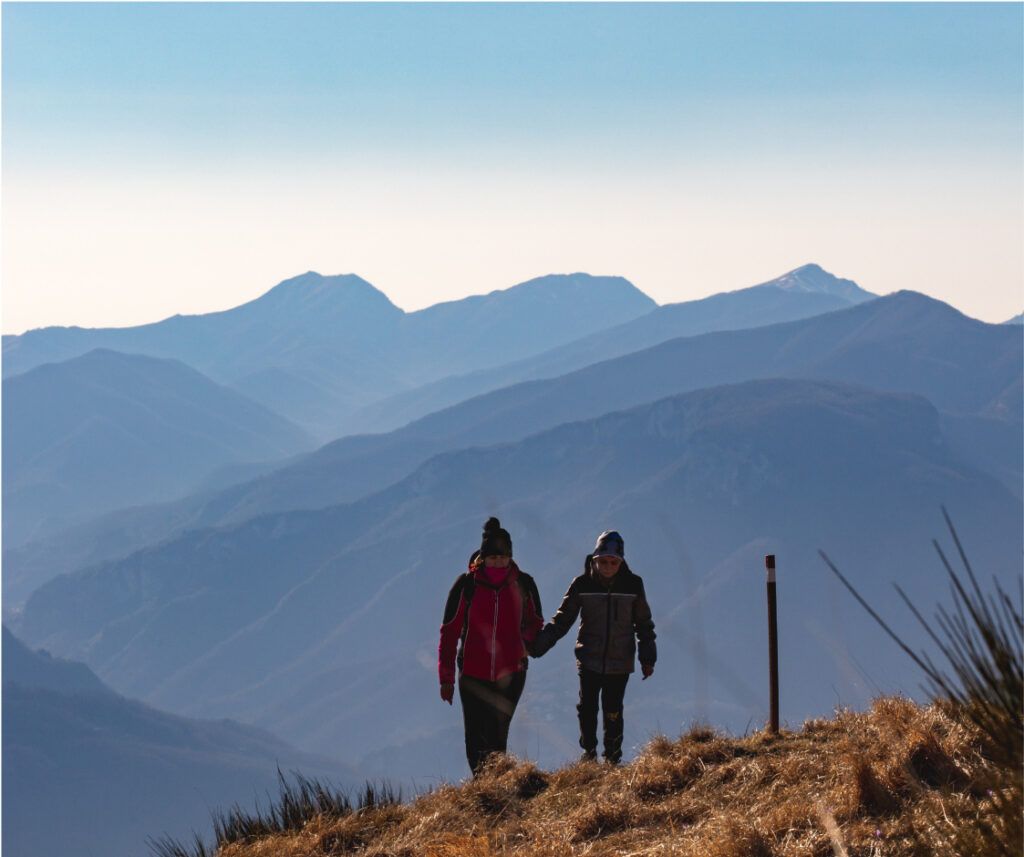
column 615, row 615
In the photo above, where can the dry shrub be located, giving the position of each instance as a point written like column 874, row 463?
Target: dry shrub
column 601, row 819
column 357, row 830
column 929, row 763
column 504, row 784
column 664, row 772
column 460, row 846
column 733, row 836
column 862, row 791
column 701, row 733
column 659, row 747
column 581, row 775
column 658, row 778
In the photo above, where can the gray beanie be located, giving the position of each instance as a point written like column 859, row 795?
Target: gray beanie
column 610, row 543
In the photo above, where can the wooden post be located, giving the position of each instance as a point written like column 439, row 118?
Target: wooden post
column 773, row 647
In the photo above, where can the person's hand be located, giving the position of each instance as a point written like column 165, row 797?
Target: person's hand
column 647, row 670
column 448, row 692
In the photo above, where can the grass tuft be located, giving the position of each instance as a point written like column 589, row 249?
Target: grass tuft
column 299, row 802
column 978, row 682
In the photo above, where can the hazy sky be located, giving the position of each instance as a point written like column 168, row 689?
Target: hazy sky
column 167, row 158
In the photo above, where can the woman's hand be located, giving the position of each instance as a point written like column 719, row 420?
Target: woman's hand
column 448, row 692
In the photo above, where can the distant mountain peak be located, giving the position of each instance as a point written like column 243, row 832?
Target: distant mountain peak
column 813, row 278
column 578, row 280
column 613, row 293
column 317, row 291
column 315, row 281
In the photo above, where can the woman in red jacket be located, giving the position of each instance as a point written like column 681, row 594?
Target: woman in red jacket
column 493, row 613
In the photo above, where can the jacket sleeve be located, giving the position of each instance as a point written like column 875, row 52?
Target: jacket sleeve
column 533, row 615
column 561, row 622
column 451, row 631
column 643, row 624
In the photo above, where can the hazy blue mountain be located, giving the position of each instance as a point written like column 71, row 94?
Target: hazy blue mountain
column 39, row 669
column 1017, row 319
column 994, row 444
column 904, row 342
column 805, row 291
column 322, row 624
column 315, row 348
column 506, row 325
column 307, row 348
column 88, row 772
column 107, row 430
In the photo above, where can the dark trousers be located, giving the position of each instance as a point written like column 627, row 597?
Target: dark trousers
column 487, row 709
column 611, row 688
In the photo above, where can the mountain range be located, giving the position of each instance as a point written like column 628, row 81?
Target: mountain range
column 805, row 291
column 316, row 348
column 88, row 772
column 108, row 430
column 801, row 292
column 321, row 625
column 900, row 343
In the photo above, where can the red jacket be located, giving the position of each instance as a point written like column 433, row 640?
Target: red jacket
column 501, row 621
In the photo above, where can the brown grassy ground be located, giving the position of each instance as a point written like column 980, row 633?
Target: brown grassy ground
column 897, row 780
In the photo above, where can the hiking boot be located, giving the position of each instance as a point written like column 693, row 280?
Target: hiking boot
column 613, row 760
column 589, row 756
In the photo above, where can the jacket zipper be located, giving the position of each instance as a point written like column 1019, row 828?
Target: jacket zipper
column 607, row 630
column 494, row 632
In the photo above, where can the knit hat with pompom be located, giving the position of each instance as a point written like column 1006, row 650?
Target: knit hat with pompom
column 495, row 541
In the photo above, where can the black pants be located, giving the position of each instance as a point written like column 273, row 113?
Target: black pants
column 487, row 709
column 611, row 688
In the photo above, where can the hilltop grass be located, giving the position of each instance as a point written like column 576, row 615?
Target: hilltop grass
column 899, row 779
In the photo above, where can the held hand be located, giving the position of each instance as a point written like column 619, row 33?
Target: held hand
column 542, row 644
column 647, row 670
column 448, row 692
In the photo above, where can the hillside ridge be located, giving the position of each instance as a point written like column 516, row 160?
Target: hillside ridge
column 898, row 779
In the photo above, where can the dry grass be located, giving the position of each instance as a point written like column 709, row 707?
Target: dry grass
column 895, row 781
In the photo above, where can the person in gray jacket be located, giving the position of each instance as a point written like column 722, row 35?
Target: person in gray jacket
column 615, row 616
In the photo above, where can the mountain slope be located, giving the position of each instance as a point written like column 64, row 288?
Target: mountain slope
column 89, row 772
column 803, row 292
column 107, row 430
column 319, row 624
column 316, row 347
column 902, row 342
column 41, row 670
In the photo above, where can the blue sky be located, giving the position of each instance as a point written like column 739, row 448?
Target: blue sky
column 185, row 157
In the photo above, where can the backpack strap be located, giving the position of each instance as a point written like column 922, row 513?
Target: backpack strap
column 468, row 588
